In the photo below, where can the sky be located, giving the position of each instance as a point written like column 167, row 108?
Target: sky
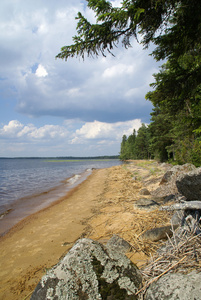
column 50, row 107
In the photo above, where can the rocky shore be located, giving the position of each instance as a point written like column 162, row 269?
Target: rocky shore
column 126, row 240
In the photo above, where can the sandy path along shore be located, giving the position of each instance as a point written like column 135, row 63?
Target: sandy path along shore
column 98, row 208
column 37, row 243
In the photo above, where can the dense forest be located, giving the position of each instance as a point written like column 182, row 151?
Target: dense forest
column 173, row 27
column 174, row 133
column 150, row 143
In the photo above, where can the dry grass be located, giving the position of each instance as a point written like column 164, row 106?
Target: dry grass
column 181, row 254
column 118, row 216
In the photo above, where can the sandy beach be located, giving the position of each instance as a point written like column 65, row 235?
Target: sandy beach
column 99, row 207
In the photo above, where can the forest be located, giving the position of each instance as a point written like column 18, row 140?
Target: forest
column 174, row 133
column 173, row 27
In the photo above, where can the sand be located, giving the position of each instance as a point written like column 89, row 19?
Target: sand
column 98, row 208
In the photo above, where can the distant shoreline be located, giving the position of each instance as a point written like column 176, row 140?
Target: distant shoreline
column 67, row 157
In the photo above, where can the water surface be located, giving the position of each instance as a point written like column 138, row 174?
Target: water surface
column 28, row 185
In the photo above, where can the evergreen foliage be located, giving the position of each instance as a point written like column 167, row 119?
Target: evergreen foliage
column 136, row 146
column 176, row 118
column 174, row 27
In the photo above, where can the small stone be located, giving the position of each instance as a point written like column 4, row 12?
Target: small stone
column 144, row 192
column 146, row 204
column 169, row 198
column 116, row 243
column 159, row 233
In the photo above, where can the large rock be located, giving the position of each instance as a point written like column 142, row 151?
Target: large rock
column 90, row 271
column 176, row 287
column 175, row 171
column 168, row 182
column 189, row 184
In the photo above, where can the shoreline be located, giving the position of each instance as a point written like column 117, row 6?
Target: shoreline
column 31, row 204
column 38, row 241
column 19, row 225
column 99, row 207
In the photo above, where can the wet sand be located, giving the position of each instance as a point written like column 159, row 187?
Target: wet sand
column 28, row 205
column 99, row 207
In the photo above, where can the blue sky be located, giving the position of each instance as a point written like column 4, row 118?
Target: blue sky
column 49, row 107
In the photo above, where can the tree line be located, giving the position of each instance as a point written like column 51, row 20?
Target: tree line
column 136, row 145
column 155, row 141
column 174, row 28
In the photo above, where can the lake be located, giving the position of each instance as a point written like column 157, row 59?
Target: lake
column 30, row 184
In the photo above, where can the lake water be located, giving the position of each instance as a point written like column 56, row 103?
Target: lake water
column 28, row 185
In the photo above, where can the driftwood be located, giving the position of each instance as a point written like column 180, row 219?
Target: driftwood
column 196, row 205
column 192, row 215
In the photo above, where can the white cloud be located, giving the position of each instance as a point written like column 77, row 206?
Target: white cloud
column 118, row 70
column 94, row 130
column 29, row 132
column 48, row 131
column 116, row 3
column 96, row 89
column 33, row 84
column 105, row 131
column 92, row 138
column 41, row 71
column 11, row 129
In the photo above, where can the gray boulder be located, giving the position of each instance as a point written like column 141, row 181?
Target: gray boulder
column 168, row 182
column 90, row 271
column 189, row 184
column 175, row 171
column 176, row 287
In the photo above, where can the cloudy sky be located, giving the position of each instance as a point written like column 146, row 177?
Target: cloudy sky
column 49, row 107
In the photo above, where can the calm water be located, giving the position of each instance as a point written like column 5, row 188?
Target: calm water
column 27, row 185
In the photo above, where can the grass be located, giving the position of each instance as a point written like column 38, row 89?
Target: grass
column 181, row 255
column 145, row 163
column 154, row 171
column 125, row 167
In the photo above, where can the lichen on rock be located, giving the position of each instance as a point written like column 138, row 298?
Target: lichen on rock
column 176, row 287
column 90, row 271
